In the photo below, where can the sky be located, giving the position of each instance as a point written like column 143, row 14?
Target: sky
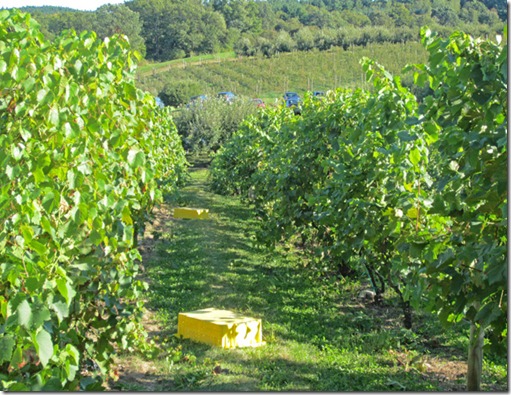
column 89, row 5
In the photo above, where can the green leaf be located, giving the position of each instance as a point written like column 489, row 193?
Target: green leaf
column 54, row 116
column 66, row 290
column 405, row 136
column 84, row 168
column 38, row 247
column 29, row 83
column 41, row 95
column 24, row 314
column 27, row 232
column 415, row 156
column 497, row 273
column 61, row 309
column 49, row 201
column 40, row 314
column 19, row 387
column 7, row 344
column 135, row 158
column 17, row 358
column 44, row 346
column 487, row 314
column 52, row 385
column 33, row 284
column 432, row 129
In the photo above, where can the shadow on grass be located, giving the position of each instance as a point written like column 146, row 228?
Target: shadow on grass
column 213, row 263
column 279, row 374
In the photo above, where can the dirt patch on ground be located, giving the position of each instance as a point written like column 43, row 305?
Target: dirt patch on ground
column 152, row 232
column 134, row 372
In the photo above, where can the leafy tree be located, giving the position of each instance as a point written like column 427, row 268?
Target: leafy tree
column 401, row 15
column 154, row 27
column 324, row 39
column 445, row 16
column 118, row 19
column 291, row 25
column 245, row 47
column 240, row 14
column 105, row 21
column 319, row 17
column 356, row 18
column 471, row 10
column 284, row 42
column 498, row 5
column 381, row 18
column 177, row 28
column 265, row 46
column 177, row 93
column 216, row 34
column 205, row 126
column 304, row 39
column 172, row 27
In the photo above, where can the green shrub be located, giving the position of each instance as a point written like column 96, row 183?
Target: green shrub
column 84, row 158
column 205, row 126
column 177, row 93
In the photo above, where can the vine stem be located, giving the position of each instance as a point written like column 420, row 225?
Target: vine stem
column 418, row 206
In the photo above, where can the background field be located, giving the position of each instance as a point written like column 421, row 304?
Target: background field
column 270, row 77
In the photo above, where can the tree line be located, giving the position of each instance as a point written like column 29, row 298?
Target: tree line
column 162, row 30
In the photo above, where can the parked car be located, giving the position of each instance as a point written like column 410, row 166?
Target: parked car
column 291, row 95
column 295, row 104
column 318, row 93
column 259, row 103
column 159, row 102
column 196, row 100
column 228, row 96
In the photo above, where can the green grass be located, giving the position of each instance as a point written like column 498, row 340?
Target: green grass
column 319, row 337
column 268, row 78
column 150, row 68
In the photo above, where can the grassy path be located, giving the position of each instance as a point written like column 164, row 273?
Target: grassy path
column 319, row 336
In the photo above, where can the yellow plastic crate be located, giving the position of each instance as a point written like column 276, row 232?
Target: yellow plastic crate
column 221, row 328
column 191, row 213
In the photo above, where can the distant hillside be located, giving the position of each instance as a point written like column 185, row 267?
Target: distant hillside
column 270, row 77
column 46, row 9
column 163, row 30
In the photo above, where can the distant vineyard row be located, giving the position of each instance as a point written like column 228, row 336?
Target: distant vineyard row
column 297, row 71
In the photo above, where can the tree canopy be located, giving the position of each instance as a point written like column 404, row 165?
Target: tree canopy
column 170, row 29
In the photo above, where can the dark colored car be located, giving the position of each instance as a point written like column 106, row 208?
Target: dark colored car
column 318, row 93
column 295, row 104
column 291, row 95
